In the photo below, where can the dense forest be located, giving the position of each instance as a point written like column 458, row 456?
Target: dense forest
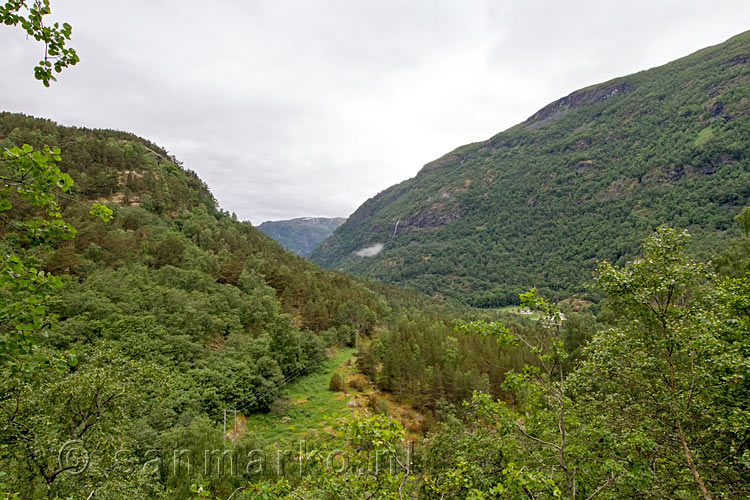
column 585, row 178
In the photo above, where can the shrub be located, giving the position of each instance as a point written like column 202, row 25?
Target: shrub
column 346, row 336
column 378, row 405
column 358, row 384
column 280, row 406
column 337, row 383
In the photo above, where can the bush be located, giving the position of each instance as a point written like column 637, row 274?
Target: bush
column 358, row 384
column 329, row 337
column 280, row 406
column 378, row 405
column 337, row 383
column 346, row 336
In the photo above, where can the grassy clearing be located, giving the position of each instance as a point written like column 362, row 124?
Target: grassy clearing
column 305, row 404
column 308, row 404
column 704, row 136
column 517, row 310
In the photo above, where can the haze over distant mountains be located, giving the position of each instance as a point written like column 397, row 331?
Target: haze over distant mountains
column 583, row 179
column 301, row 235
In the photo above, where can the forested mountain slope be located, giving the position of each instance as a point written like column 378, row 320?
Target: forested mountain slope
column 165, row 217
column 583, row 179
column 175, row 310
column 301, row 235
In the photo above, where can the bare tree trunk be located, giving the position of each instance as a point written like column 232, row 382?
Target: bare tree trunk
column 693, row 469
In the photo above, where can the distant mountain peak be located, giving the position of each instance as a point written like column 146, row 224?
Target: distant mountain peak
column 303, row 234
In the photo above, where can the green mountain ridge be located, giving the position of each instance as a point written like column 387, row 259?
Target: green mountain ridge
column 303, row 234
column 584, row 178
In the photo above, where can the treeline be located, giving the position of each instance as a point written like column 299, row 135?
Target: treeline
column 426, row 361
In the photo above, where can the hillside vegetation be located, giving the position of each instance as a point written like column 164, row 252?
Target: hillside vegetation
column 583, row 179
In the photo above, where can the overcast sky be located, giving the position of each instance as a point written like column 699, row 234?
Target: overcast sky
column 308, row 108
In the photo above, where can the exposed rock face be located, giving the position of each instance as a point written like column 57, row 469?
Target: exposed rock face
column 717, row 108
column 451, row 160
column 738, row 59
column 577, row 99
column 583, row 166
column 435, row 216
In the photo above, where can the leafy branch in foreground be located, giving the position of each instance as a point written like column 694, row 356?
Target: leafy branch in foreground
column 544, row 450
column 30, row 177
column 665, row 377
column 657, row 406
column 30, row 15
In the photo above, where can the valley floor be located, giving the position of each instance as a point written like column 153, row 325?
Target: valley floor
column 308, row 409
